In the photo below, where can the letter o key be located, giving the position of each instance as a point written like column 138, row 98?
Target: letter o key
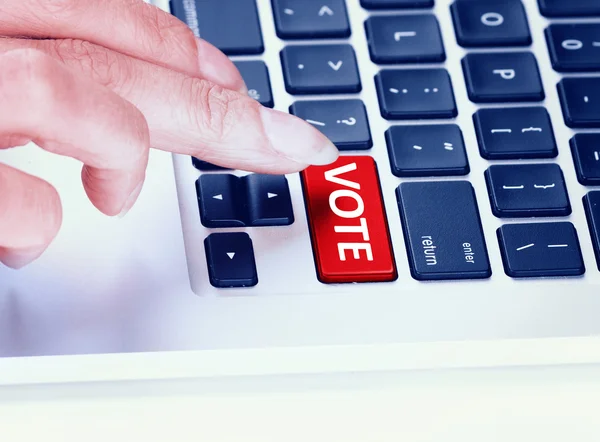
column 345, row 213
column 572, row 45
column 492, row 19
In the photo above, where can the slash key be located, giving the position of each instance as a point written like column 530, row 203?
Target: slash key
column 442, row 230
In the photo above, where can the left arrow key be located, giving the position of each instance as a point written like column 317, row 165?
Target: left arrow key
column 219, row 197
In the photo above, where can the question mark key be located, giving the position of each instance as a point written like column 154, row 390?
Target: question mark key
column 344, row 122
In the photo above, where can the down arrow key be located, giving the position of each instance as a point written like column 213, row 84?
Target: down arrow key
column 223, row 270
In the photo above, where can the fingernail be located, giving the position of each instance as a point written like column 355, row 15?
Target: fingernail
column 297, row 140
column 131, row 200
column 217, row 68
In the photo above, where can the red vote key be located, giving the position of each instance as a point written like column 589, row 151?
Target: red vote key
column 349, row 231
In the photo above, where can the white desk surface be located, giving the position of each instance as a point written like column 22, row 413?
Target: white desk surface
column 550, row 404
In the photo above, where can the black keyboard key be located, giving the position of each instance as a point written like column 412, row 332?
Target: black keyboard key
column 344, row 122
column 405, row 39
column 540, row 250
column 580, row 101
column 311, row 19
column 503, row 77
column 268, row 200
column 415, row 94
column 257, row 79
column 322, row 69
column 574, row 47
column 527, row 191
column 490, row 23
column 427, row 150
column 232, row 26
column 205, row 166
column 591, row 204
column 569, row 8
column 220, row 199
column 585, row 149
column 515, row 133
column 230, row 260
column 393, row 4
column 442, row 230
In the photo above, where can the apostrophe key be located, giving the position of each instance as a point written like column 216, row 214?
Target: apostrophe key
column 427, row 150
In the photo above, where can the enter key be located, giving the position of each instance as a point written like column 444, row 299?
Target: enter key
column 442, row 230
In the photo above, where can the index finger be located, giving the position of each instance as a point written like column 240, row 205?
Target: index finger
column 131, row 27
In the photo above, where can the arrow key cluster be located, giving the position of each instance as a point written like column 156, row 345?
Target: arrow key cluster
column 255, row 200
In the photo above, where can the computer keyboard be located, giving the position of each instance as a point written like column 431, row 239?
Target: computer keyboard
column 454, row 160
column 459, row 228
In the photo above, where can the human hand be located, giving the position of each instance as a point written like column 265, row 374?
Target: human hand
column 103, row 80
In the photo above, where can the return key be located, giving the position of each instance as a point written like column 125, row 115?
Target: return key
column 442, row 230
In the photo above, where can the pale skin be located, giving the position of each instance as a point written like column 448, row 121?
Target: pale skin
column 104, row 81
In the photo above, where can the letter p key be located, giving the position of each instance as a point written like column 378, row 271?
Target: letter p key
column 507, row 74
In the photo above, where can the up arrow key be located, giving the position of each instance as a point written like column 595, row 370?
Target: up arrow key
column 325, row 10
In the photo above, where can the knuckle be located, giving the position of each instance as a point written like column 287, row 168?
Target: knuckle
column 102, row 65
column 165, row 33
column 215, row 110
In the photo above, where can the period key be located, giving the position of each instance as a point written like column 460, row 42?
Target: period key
column 442, row 230
column 348, row 226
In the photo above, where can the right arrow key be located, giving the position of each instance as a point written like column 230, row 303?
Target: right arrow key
column 269, row 201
